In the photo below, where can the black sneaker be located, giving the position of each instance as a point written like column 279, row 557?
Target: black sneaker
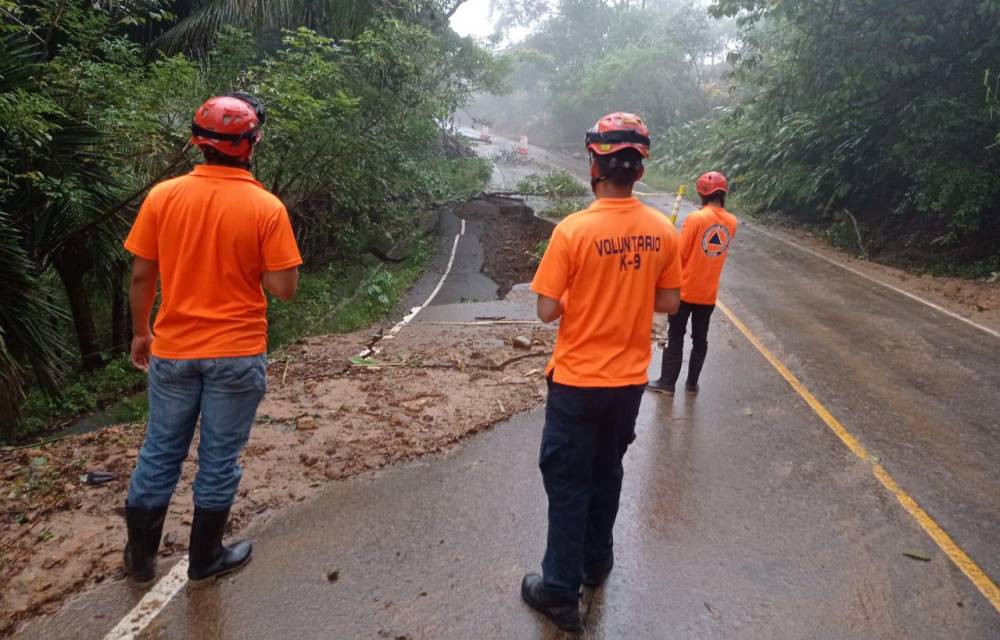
column 563, row 613
column 659, row 386
column 691, row 387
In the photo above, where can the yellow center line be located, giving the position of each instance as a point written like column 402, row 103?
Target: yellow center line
column 961, row 559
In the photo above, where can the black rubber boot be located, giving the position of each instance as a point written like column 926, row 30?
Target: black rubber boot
column 563, row 613
column 670, row 369
column 595, row 578
column 694, row 371
column 145, row 528
column 209, row 558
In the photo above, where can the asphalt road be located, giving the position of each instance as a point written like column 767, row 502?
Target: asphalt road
column 743, row 514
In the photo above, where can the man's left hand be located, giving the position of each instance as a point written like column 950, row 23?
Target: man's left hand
column 140, row 351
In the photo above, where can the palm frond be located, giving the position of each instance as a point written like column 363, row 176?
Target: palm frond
column 25, row 312
column 264, row 19
column 17, row 66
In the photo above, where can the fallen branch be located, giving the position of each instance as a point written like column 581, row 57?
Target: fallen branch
column 503, row 365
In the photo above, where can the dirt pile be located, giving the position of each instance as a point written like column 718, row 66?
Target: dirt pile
column 512, row 241
column 324, row 418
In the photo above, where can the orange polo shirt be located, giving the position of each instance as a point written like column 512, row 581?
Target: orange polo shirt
column 213, row 232
column 705, row 238
column 608, row 260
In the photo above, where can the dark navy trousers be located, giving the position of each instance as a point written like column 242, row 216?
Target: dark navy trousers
column 586, row 434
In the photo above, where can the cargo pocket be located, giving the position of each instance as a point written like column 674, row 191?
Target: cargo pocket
column 555, row 451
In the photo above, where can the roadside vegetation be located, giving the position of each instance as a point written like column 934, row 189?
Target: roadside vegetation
column 873, row 124
column 95, row 105
column 563, row 207
column 555, row 184
column 563, row 192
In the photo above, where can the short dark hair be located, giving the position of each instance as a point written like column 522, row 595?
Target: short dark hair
column 214, row 156
column 621, row 168
column 715, row 195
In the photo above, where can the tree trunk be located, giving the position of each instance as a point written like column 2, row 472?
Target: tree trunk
column 11, row 397
column 121, row 322
column 83, row 316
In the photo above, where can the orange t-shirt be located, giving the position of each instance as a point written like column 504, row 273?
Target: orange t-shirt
column 609, row 260
column 214, row 232
column 705, row 239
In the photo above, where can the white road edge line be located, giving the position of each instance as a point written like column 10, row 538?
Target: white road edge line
column 157, row 598
column 415, row 310
column 152, row 604
column 936, row 307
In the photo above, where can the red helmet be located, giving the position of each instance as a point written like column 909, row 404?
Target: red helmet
column 229, row 124
column 617, row 131
column 711, row 182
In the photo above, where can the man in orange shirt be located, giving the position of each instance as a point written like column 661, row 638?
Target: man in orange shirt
column 212, row 237
column 605, row 271
column 705, row 239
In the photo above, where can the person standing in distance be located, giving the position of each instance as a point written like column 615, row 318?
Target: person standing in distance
column 215, row 238
column 605, row 271
column 705, row 239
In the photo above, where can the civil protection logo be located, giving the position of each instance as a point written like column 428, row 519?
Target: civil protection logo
column 715, row 242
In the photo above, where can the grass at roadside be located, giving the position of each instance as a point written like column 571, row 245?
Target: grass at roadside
column 83, row 394
column 341, row 299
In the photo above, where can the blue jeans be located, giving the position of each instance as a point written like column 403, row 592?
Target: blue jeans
column 586, row 434
column 225, row 392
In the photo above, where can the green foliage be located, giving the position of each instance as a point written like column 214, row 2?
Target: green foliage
column 991, row 82
column 555, row 184
column 359, row 94
column 199, row 25
column 458, row 179
column 539, row 250
column 563, row 192
column 563, row 207
column 666, row 181
column 586, row 58
column 84, row 394
column 877, row 110
column 343, row 297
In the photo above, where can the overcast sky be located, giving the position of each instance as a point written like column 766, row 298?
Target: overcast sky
column 473, row 19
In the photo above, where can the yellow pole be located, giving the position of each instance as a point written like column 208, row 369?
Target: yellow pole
column 677, row 205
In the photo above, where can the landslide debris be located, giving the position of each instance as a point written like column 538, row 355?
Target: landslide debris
column 323, row 419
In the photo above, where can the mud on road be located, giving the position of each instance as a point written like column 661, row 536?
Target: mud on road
column 324, row 418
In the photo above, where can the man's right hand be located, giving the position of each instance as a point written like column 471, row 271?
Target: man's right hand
column 141, row 344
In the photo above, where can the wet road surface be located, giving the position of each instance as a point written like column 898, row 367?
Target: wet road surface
column 742, row 515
